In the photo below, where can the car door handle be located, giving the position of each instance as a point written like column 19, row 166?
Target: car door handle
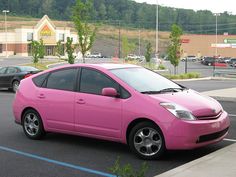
column 80, row 101
column 41, row 95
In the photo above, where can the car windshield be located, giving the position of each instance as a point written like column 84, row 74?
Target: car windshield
column 145, row 81
column 28, row 68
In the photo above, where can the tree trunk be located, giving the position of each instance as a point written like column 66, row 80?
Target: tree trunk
column 175, row 70
column 83, row 59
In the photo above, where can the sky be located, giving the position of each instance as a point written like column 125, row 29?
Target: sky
column 216, row 6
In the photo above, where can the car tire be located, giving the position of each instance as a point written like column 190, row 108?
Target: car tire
column 15, row 85
column 33, row 125
column 147, row 141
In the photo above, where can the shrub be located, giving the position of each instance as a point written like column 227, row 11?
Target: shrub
column 183, row 76
column 127, row 170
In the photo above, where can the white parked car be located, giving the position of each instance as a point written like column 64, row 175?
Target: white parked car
column 189, row 58
column 94, row 55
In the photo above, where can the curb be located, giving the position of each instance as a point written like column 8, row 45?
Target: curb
column 229, row 99
column 55, row 64
column 195, row 79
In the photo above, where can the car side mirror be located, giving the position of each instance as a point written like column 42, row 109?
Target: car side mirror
column 109, row 92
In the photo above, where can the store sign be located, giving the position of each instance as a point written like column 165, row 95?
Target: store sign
column 46, row 31
column 185, row 41
column 230, row 41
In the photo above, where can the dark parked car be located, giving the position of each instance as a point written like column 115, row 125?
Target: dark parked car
column 209, row 61
column 232, row 62
column 11, row 76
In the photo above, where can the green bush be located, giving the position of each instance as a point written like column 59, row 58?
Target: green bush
column 161, row 67
column 127, row 170
column 183, row 76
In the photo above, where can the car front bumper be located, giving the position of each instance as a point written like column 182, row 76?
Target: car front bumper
column 193, row 134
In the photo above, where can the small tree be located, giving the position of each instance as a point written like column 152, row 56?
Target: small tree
column 70, row 48
column 175, row 44
column 59, row 49
column 35, row 51
column 41, row 50
column 148, row 52
column 127, row 46
column 86, row 34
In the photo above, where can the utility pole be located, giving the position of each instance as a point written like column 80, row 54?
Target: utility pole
column 5, row 15
column 157, row 27
column 139, row 43
column 119, row 47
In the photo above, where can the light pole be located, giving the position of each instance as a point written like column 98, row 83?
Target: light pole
column 157, row 26
column 216, row 39
column 5, row 14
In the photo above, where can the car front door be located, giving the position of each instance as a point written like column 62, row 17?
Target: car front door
column 56, row 100
column 97, row 115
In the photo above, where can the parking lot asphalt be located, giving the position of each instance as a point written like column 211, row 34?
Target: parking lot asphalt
column 64, row 155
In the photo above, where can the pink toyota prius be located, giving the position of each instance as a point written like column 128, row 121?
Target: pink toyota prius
column 119, row 102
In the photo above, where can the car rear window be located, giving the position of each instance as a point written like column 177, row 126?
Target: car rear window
column 28, row 68
column 39, row 80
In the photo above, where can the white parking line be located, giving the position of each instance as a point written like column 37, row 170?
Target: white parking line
column 232, row 115
column 231, row 140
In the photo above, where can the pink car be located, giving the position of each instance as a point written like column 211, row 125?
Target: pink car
column 119, row 102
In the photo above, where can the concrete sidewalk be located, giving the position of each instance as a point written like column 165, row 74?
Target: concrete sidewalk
column 223, row 94
column 220, row 163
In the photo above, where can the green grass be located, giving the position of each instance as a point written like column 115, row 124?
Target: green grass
column 184, row 76
column 42, row 66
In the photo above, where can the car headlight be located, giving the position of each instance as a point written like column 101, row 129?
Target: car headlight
column 178, row 111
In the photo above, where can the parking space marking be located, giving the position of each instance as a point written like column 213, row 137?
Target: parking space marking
column 231, row 140
column 76, row 167
column 232, row 115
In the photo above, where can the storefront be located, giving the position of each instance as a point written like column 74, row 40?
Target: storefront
column 17, row 41
column 206, row 45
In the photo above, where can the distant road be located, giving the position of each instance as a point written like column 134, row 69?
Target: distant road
column 14, row 60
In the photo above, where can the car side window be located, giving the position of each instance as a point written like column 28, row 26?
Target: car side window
column 3, row 70
column 62, row 80
column 11, row 70
column 39, row 80
column 93, row 82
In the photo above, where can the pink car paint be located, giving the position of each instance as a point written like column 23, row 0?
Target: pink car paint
column 109, row 118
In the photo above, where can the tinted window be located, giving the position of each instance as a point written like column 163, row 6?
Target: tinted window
column 3, row 70
column 93, row 82
column 62, row 80
column 11, row 70
column 38, row 81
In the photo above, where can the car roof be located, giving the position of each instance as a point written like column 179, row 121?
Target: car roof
column 102, row 66
column 107, row 66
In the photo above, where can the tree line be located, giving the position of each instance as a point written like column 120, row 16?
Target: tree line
column 127, row 13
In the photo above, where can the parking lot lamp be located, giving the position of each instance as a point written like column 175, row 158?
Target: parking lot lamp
column 216, row 39
column 5, row 15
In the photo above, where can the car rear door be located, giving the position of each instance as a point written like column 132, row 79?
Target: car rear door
column 56, row 100
column 9, row 76
column 97, row 115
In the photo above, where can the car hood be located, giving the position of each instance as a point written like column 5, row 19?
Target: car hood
column 199, row 105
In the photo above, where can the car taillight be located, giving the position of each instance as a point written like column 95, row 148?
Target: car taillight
column 27, row 75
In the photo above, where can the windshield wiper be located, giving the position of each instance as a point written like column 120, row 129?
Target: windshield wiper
column 171, row 90
column 150, row 92
column 164, row 90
